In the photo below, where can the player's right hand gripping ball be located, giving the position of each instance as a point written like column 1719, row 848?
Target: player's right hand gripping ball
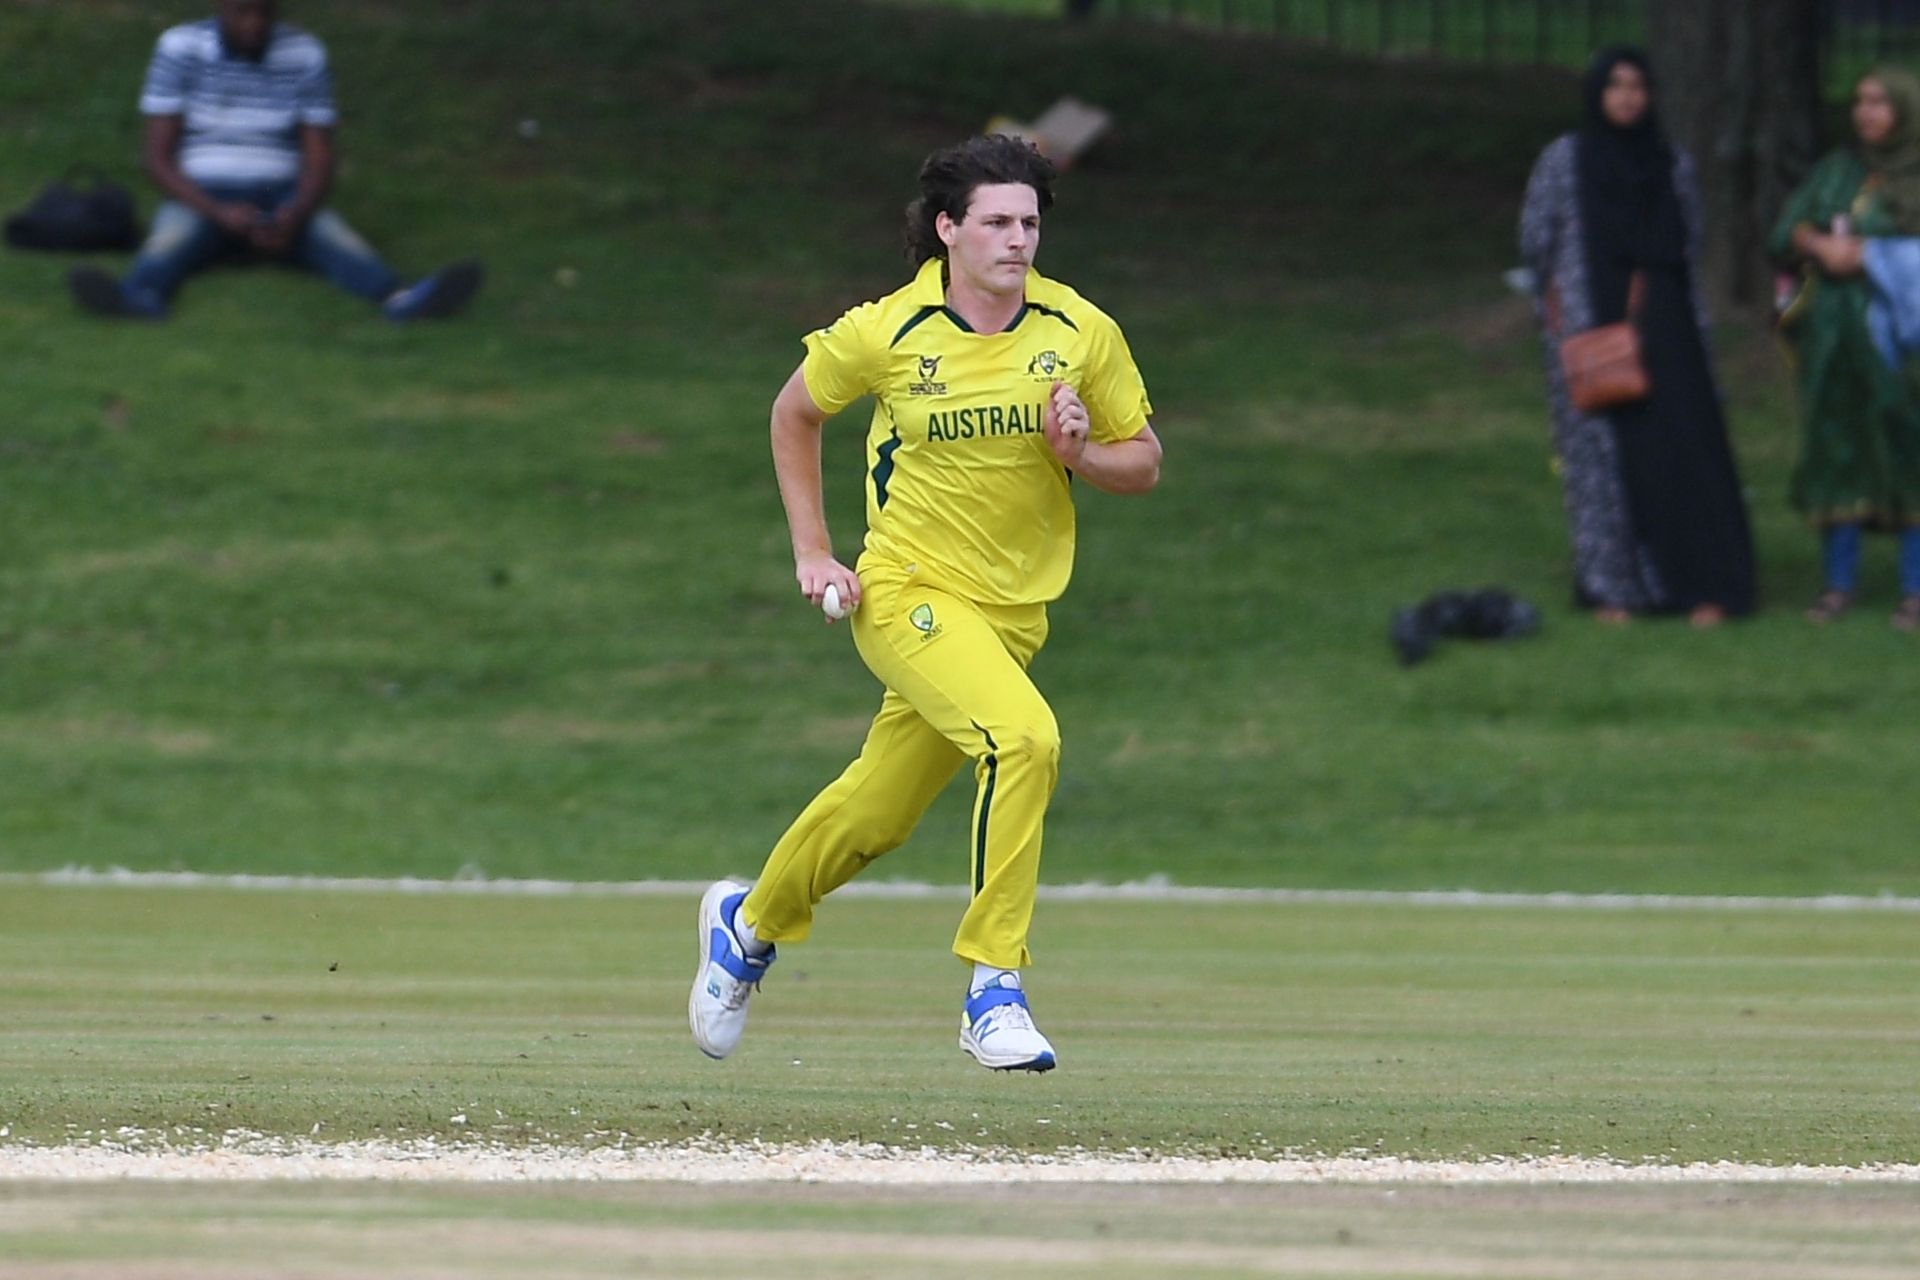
column 830, row 603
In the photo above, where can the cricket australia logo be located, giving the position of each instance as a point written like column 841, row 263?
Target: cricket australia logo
column 1047, row 364
column 928, row 369
column 922, row 620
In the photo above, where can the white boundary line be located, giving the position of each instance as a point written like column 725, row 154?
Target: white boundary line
column 1153, row 889
column 252, row 1157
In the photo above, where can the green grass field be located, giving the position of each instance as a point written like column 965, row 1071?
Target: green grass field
column 1676, row 1036
column 288, row 588
column 1080, row 1233
column 284, row 588
column 1774, row 1037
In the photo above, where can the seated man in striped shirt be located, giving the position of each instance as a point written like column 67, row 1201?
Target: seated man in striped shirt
column 240, row 121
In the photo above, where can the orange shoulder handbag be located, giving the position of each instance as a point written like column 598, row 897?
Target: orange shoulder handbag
column 1603, row 367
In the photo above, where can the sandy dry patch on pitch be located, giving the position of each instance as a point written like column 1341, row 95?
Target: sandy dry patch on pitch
column 1098, row 1232
column 829, row 1255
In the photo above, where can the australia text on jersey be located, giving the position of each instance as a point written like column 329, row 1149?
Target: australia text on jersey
column 987, row 421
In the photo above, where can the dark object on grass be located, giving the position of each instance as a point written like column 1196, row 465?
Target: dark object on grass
column 1487, row 614
column 68, row 217
column 99, row 294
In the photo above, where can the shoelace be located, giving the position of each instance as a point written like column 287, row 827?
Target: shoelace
column 738, row 992
column 1011, row 1016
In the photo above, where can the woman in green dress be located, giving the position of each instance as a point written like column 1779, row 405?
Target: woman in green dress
column 1859, row 464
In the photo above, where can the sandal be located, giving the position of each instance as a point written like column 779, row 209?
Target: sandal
column 1705, row 617
column 1907, row 616
column 1830, row 606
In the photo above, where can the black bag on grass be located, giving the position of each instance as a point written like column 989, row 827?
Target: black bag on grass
column 1487, row 614
column 66, row 216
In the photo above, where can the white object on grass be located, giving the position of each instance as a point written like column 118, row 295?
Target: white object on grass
column 830, row 603
column 1521, row 280
column 1063, row 131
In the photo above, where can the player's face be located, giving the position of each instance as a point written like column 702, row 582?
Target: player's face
column 992, row 247
column 1873, row 115
column 1624, row 101
column 245, row 25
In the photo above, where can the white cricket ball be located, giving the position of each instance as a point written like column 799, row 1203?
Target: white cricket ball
column 830, row 603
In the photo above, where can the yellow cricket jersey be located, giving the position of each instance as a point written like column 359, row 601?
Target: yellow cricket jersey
column 960, row 479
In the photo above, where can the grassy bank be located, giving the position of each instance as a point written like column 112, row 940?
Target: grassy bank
column 287, row 588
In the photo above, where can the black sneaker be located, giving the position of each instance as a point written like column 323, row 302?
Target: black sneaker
column 444, row 293
column 100, row 294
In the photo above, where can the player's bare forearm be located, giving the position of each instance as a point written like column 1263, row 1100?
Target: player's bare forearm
column 1125, row 467
column 795, row 432
column 796, row 464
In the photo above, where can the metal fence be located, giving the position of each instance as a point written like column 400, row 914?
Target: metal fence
column 1858, row 33
column 1863, row 32
column 1548, row 32
column 1507, row 31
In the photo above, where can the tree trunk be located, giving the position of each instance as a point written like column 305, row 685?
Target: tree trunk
column 1740, row 89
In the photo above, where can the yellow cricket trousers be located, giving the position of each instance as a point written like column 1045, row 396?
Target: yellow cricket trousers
column 956, row 689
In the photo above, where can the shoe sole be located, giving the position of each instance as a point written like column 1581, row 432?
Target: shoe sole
column 707, row 921
column 98, row 294
column 455, row 290
column 1045, row 1062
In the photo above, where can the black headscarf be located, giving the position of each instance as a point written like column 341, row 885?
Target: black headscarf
column 1629, row 211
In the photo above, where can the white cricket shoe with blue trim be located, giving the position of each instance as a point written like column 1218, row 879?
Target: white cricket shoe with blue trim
column 717, row 1006
column 997, row 1028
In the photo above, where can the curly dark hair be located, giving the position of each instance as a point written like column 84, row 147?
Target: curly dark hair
column 948, row 178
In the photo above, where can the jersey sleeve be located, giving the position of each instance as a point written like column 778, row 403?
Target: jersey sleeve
column 843, row 359
column 314, row 92
column 164, row 92
column 1112, row 388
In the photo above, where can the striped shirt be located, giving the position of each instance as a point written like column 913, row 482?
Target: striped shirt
column 241, row 117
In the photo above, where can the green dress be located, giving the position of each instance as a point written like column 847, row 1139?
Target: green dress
column 1860, row 456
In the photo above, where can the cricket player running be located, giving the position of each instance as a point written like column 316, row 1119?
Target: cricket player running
column 993, row 389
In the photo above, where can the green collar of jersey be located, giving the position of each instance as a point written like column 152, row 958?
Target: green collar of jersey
column 928, row 292
column 929, row 287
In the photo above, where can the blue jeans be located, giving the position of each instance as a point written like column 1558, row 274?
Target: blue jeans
column 1842, row 547
column 182, row 242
